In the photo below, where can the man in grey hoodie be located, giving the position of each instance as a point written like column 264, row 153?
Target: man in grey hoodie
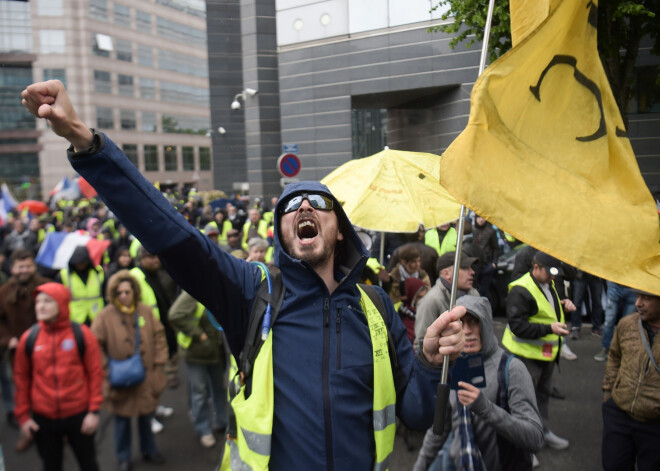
column 493, row 425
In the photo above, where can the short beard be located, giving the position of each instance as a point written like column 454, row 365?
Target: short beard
column 313, row 259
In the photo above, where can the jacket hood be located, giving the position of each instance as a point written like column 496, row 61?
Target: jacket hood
column 412, row 288
column 79, row 255
column 479, row 307
column 351, row 251
column 59, row 293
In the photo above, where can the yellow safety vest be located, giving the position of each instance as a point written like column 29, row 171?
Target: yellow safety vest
column 546, row 347
column 262, row 230
column 226, row 227
column 254, row 416
column 185, row 340
column 133, row 249
column 432, row 239
column 148, row 295
column 86, row 298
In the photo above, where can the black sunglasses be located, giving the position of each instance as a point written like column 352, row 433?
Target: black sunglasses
column 316, row 201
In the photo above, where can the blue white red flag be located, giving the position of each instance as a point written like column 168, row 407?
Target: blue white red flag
column 57, row 248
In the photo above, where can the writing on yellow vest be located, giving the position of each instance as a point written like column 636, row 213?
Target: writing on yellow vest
column 86, row 298
column 546, row 347
column 254, row 415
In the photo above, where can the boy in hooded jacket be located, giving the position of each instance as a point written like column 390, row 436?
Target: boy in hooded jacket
column 60, row 389
column 321, row 399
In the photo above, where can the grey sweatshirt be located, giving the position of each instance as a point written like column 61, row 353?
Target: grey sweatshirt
column 523, row 425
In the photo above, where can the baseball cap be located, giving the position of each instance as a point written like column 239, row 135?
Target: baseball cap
column 447, row 260
column 552, row 264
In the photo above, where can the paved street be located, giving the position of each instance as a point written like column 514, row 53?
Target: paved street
column 576, row 418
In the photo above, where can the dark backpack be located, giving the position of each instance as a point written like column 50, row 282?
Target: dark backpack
column 77, row 334
column 512, row 458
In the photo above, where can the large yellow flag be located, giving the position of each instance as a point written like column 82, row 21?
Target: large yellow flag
column 545, row 157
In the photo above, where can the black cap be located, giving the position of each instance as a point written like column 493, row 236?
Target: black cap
column 552, row 264
column 447, row 260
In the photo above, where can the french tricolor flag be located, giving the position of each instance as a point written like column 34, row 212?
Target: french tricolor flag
column 57, row 248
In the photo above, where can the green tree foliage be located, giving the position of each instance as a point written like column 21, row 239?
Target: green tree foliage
column 622, row 24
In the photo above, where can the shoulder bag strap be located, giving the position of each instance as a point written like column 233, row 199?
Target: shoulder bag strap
column 647, row 347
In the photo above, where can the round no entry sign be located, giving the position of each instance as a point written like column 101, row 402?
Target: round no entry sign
column 288, row 165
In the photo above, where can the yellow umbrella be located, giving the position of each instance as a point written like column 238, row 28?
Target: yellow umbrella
column 393, row 191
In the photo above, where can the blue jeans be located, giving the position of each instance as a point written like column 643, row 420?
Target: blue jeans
column 6, row 384
column 620, row 303
column 206, row 382
column 593, row 301
column 123, row 436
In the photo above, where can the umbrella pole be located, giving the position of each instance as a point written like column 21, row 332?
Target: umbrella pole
column 382, row 253
column 442, row 395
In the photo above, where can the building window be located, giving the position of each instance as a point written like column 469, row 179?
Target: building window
column 15, row 27
column 52, row 41
column 102, row 81
column 191, row 7
column 14, row 116
column 204, row 158
column 369, row 131
column 147, row 88
column 185, row 124
column 145, row 55
column 50, row 8
column 150, row 158
column 179, row 32
column 124, row 50
column 646, row 91
column 148, row 121
column 55, row 74
column 101, row 45
column 125, row 84
column 104, row 118
column 182, row 63
column 186, row 94
column 98, row 9
column 122, row 15
column 131, row 152
column 127, row 120
column 143, row 21
column 188, row 154
column 169, row 153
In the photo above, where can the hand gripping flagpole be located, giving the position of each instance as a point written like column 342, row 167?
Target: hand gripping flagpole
column 442, row 395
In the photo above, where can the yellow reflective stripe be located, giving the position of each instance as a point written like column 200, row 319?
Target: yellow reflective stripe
column 257, row 442
column 384, row 418
column 183, row 340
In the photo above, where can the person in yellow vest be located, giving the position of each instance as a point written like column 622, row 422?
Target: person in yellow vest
column 206, row 360
column 536, row 328
column 255, row 226
column 324, row 392
column 443, row 237
column 222, row 224
column 85, row 282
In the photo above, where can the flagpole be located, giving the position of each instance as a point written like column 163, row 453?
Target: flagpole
column 442, row 396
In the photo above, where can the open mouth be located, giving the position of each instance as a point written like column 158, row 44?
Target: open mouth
column 306, row 230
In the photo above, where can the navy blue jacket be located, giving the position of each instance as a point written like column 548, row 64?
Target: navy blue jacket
column 323, row 364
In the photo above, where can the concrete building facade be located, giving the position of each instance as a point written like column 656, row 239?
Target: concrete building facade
column 136, row 70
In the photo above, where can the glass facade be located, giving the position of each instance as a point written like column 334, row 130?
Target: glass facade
column 104, row 118
column 102, row 81
column 125, row 84
column 52, row 41
column 179, row 93
column 169, row 153
column 15, row 27
column 149, row 121
column 98, row 48
column 150, row 158
column 50, row 7
column 21, row 173
column 191, row 7
column 122, row 15
column 182, row 63
column 98, row 9
column 188, row 157
column 55, row 74
column 147, row 88
column 124, row 50
column 127, row 120
column 145, row 55
column 13, row 115
column 179, row 32
column 131, row 152
column 143, row 21
column 369, row 131
column 185, row 124
column 204, row 158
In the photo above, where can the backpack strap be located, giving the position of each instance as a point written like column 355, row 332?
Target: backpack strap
column 77, row 335
column 253, row 339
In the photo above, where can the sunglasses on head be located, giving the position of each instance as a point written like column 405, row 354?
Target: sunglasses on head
column 316, row 201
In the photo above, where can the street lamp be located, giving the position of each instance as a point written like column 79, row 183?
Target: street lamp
column 236, row 105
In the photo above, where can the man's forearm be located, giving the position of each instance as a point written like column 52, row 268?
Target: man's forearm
column 80, row 136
